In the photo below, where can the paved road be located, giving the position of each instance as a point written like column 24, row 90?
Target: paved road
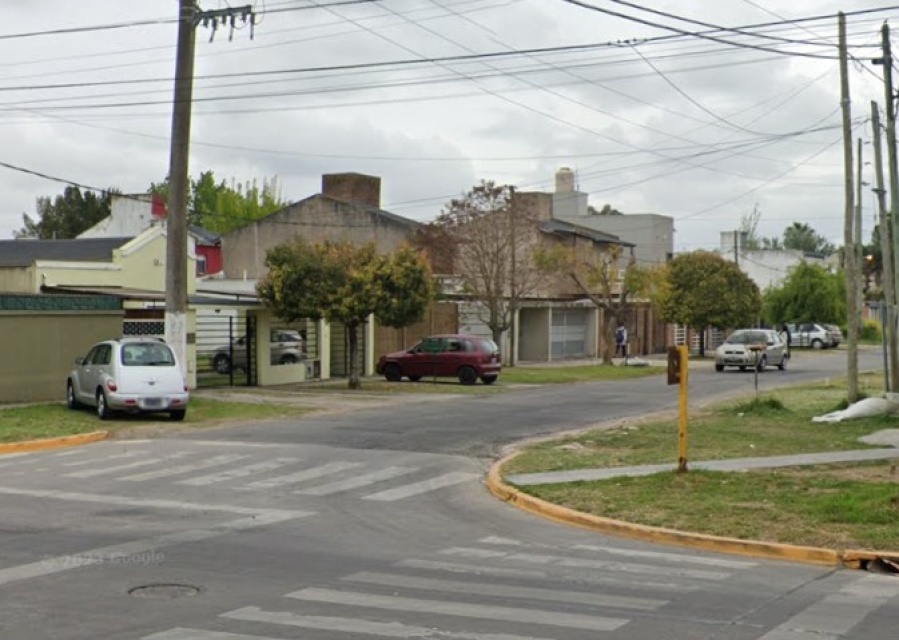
column 372, row 528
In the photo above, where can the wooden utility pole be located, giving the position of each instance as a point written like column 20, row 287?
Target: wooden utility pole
column 858, row 252
column 848, row 236
column 887, row 61
column 176, row 275
column 886, row 251
column 176, row 216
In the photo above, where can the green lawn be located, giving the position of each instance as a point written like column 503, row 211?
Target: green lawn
column 55, row 420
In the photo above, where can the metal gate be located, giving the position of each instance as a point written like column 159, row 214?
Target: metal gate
column 226, row 348
column 569, row 333
column 340, row 350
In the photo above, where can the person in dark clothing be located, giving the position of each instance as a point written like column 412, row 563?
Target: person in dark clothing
column 785, row 336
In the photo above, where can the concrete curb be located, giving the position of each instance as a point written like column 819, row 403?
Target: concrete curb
column 53, row 443
column 855, row 559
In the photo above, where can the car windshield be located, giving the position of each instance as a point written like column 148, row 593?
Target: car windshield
column 747, row 337
column 147, row 354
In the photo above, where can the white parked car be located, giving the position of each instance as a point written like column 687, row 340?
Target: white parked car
column 752, row 348
column 136, row 375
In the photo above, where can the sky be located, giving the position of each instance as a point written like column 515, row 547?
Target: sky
column 704, row 111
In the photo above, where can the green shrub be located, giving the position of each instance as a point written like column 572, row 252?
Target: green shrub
column 870, row 331
column 760, row 407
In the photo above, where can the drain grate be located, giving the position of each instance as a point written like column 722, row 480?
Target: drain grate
column 164, row 591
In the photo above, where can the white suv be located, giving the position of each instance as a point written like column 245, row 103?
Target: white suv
column 136, row 375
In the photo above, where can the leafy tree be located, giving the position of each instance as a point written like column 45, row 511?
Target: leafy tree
column 601, row 276
column 67, row 216
column 705, row 290
column 607, row 210
column 223, row 207
column 810, row 293
column 343, row 282
column 802, row 237
column 488, row 244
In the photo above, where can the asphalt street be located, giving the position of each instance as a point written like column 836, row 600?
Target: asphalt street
column 375, row 524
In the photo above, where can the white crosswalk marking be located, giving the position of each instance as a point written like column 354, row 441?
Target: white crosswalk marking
column 459, row 609
column 835, row 615
column 184, row 468
column 302, row 476
column 669, row 557
column 240, row 472
column 90, row 473
column 584, row 563
column 183, row 633
column 534, row 574
column 424, row 486
column 81, row 463
column 353, row 625
column 507, row 591
column 8, row 458
column 358, row 481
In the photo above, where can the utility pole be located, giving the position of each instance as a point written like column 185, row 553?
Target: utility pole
column 176, row 334
column 848, row 236
column 513, row 324
column 176, row 216
column 886, row 252
column 857, row 228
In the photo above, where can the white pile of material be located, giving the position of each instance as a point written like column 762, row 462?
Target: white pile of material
column 867, row 408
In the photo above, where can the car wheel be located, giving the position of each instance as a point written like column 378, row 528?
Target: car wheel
column 177, row 415
column 414, row 378
column 288, row 360
column 488, row 379
column 467, row 375
column 762, row 363
column 71, row 400
column 103, row 410
column 817, row 344
column 392, row 372
column 719, row 367
column 222, row 363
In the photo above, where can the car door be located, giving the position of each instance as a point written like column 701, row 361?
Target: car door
column 805, row 331
column 452, row 358
column 84, row 378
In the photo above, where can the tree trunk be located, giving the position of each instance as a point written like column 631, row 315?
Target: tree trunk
column 352, row 333
column 702, row 343
column 608, row 351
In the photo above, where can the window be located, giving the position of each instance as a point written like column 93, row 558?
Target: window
column 201, row 265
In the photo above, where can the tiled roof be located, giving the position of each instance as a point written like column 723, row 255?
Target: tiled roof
column 562, row 227
column 21, row 253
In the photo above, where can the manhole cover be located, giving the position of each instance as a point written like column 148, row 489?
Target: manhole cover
column 164, row 591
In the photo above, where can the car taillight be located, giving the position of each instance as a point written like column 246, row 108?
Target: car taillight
column 111, row 385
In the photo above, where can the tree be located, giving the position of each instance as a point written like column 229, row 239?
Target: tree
column 220, row 207
column 705, row 290
column 601, row 277
column 346, row 283
column 488, row 243
column 749, row 223
column 801, row 237
column 67, row 216
column 810, row 293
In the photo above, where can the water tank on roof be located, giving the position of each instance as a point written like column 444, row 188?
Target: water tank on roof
column 564, row 180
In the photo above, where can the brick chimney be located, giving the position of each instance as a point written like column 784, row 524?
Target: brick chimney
column 353, row 187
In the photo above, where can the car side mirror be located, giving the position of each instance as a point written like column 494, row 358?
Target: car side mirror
column 79, row 360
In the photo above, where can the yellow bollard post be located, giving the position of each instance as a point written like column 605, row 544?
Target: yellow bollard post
column 682, row 422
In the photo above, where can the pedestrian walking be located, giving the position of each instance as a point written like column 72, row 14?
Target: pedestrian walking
column 621, row 341
column 785, row 337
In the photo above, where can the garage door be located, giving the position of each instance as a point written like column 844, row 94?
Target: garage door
column 569, row 333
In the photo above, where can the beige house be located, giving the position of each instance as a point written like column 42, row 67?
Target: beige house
column 347, row 209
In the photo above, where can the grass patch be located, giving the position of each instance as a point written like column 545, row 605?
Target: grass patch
column 839, row 506
column 833, row 506
column 577, row 373
column 56, row 420
column 778, row 423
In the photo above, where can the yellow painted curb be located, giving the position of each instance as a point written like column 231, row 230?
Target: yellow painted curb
column 769, row 550
column 53, row 443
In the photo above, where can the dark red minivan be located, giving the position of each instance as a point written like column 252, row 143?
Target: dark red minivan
column 445, row 356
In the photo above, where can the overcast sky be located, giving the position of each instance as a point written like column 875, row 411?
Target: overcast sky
column 653, row 118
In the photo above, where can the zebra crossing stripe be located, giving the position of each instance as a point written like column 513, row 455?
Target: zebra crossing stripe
column 507, row 591
column 584, row 563
column 356, row 482
column 240, row 472
column 835, row 615
column 183, row 633
column 424, row 486
column 534, row 574
column 301, row 476
column 81, row 463
column 459, row 609
column 349, row 625
column 670, row 557
column 184, row 468
column 90, row 473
